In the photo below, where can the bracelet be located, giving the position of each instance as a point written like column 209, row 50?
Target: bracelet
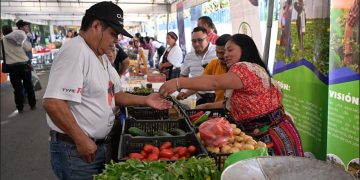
column 178, row 85
column 348, row 54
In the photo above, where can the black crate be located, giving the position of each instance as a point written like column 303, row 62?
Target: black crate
column 219, row 159
column 151, row 126
column 129, row 144
column 147, row 113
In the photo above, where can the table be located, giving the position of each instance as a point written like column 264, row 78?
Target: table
column 44, row 60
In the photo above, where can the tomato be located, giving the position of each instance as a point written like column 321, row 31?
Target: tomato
column 191, row 149
column 164, row 159
column 156, row 151
column 153, row 157
column 165, row 145
column 176, row 150
column 182, row 151
column 174, row 158
column 136, row 156
column 196, row 116
column 143, row 153
column 166, row 153
column 148, row 148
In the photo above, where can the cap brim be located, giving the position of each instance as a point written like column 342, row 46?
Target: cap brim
column 120, row 30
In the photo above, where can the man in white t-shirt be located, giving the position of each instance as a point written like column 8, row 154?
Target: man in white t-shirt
column 197, row 59
column 82, row 92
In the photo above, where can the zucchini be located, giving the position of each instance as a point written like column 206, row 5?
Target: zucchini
column 202, row 118
column 137, row 132
column 162, row 133
column 177, row 132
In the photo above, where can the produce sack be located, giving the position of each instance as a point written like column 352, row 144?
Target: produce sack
column 35, row 81
column 245, row 154
column 215, row 132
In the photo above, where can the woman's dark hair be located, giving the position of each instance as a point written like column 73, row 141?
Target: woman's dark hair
column 87, row 21
column 138, row 35
column 221, row 40
column 147, row 39
column 6, row 29
column 249, row 51
column 172, row 35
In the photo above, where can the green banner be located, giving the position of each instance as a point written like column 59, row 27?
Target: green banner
column 301, row 68
column 343, row 102
column 305, row 101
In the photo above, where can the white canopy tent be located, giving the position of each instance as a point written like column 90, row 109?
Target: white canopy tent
column 70, row 12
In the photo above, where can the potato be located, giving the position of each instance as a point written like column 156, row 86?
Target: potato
column 236, row 131
column 242, row 134
column 234, row 150
column 213, row 149
column 239, row 138
column 260, row 144
column 248, row 147
column 225, row 149
column 233, row 126
column 252, row 142
column 238, row 145
column 247, row 138
column 231, row 139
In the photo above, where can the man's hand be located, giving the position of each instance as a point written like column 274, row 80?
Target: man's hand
column 168, row 88
column 156, row 101
column 87, row 149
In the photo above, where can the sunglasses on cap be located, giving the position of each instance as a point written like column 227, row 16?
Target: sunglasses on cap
column 199, row 40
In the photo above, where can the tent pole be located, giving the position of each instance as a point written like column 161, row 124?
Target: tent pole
column 268, row 32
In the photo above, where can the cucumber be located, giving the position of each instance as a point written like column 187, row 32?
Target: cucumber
column 177, row 132
column 137, row 132
column 202, row 118
column 162, row 133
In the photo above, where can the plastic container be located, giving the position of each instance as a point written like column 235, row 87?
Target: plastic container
column 150, row 126
column 147, row 113
column 129, row 144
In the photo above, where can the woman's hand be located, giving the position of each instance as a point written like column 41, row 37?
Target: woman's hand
column 181, row 96
column 168, row 88
column 156, row 101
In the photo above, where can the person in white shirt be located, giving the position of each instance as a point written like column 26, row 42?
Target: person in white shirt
column 172, row 58
column 82, row 92
column 15, row 47
column 196, row 60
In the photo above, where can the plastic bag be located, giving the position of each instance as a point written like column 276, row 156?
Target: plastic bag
column 245, row 154
column 215, row 132
column 35, row 81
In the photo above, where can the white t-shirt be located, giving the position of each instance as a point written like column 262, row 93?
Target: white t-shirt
column 78, row 77
column 192, row 65
column 175, row 56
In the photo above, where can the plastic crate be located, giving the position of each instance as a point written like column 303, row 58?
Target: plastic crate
column 129, row 144
column 151, row 126
column 147, row 113
column 219, row 159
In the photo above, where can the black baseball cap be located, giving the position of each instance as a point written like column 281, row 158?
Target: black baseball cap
column 110, row 13
column 21, row 23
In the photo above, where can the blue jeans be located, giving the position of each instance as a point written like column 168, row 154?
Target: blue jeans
column 67, row 163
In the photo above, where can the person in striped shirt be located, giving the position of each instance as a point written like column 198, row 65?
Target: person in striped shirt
column 207, row 23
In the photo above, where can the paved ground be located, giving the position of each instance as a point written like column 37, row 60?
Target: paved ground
column 24, row 138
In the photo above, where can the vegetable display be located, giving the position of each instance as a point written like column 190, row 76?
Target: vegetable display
column 165, row 152
column 193, row 168
column 237, row 142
